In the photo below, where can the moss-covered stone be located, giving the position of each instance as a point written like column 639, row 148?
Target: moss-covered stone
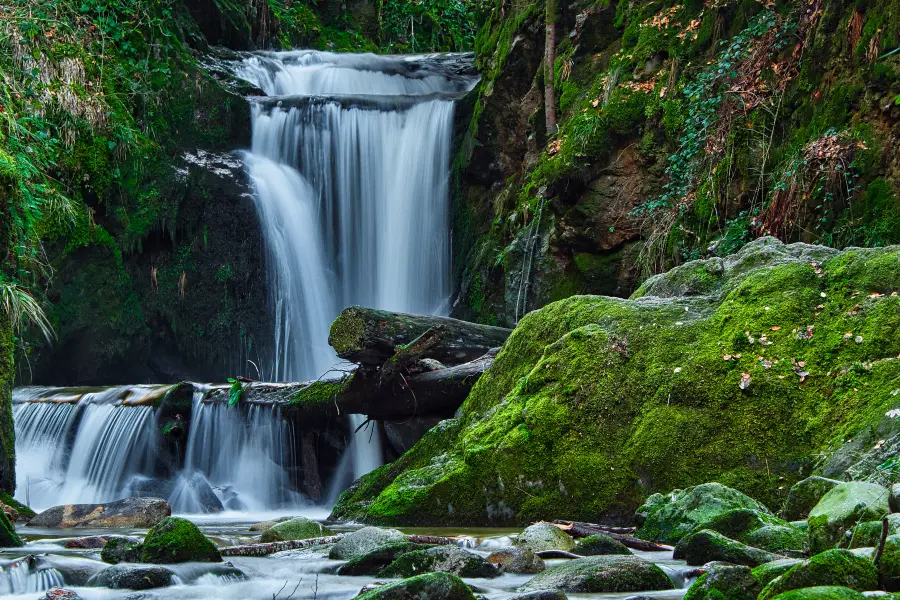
column 362, row 541
column 724, row 583
column 709, row 546
column 434, row 586
column 830, row 568
column 766, row 572
column 595, row 403
column 120, row 549
column 8, row 536
column 449, row 559
column 177, row 540
column 598, row 574
column 868, row 534
column 889, row 564
column 598, row 545
column 516, row 559
column 824, row 592
column 804, row 496
column 25, row 512
column 298, row 528
column 7, row 375
column 779, row 539
column 841, row 508
column 545, row 536
column 375, row 561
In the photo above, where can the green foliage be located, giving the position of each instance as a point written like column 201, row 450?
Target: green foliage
column 428, row 25
column 235, row 392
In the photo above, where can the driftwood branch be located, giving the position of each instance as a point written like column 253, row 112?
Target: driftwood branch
column 884, row 535
column 581, row 530
column 273, row 547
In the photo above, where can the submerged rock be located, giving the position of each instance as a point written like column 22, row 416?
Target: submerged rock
column 708, row 546
column 433, row 586
column 298, row 528
column 545, row 536
column 805, row 494
column 599, row 544
column 599, row 574
column 177, row 540
column 362, row 541
column 130, row 512
column 375, row 561
column 841, row 508
column 132, row 577
column 449, row 559
column 831, row 568
column 724, row 582
column 516, row 559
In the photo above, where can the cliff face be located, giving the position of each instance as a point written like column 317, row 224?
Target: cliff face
column 686, row 130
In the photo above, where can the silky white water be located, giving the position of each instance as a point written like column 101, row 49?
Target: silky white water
column 350, row 161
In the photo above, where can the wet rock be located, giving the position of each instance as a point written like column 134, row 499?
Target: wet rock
column 516, row 559
column 375, row 561
column 298, row 528
column 150, row 487
column 197, row 489
column 822, row 593
column 60, row 594
column 707, row 546
column 740, row 522
column 95, row 542
column 177, row 540
column 725, row 582
column 130, row 512
column 598, row 545
column 779, row 539
column 120, row 549
column 449, row 559
column 132, row 577
column 841, row 508
column 766, row 572
column 542, row 595
column 598, row 574
column 830, row 568
column 363, row 541
column 804, row 496
column 75, row 570
column 668, row 518
column 433, row 586
column 545, row 536
column 264, row 525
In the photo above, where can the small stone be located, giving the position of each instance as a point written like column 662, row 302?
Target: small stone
column 516, row 559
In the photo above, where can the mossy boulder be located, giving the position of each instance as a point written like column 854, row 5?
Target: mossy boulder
column 724, row 582
column 841, row 508
column 889, row 564
column 298, row 528
column 598, row 545
column 868, row 533
column 766, row 572
column 120, row 549
column 132, row 577
column 177, row 540
column 8, row 536
column 516, row 559
column 709, row 546
column 779, row 539
column 830, row 568
column 822, row 592
column 25, row 512
column 449, row 559
column 434, row 586
column 545, row 536
column 362, row 541
column 599, row 574
column 265, row 525
column 714, row 506
column 594, row 403
column 804, row 495
column 375, row 561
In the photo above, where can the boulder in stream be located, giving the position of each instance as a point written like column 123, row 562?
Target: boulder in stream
column 129, row 512
column 545, row 536
column 60, row 594
column 177, row 540
column 708, row 546
column 805, row 494
column 517, row 559
column 598, row 545
column 822, row 592
column 601, row 574
column 767, row 572
column 264, row 525
column 831, row 568
column 132, row 577
column 725, row 582
column 120, row 549
column 375, row 561
column 434, row 586
column 298, row 528
column 449, row 559
column 363, row 541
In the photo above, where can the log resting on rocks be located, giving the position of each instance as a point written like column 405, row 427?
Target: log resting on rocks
column 371, row 337
column 582, row 530
column 273, row 547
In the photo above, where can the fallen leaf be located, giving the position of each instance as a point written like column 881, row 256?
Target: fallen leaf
column 776, row 328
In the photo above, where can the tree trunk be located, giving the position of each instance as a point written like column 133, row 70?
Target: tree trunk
column 550, row 18
column 371, row 337
column 312, row 483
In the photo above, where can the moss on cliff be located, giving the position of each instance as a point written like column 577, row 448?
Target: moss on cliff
column 7, row 432
column 593, row 403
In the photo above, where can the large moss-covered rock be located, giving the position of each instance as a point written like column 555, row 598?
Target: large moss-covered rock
column 375, row 561
column 767, row 572
column 545, row 536
column 598, row 545
column 434, row 586
column 841, row 508
column 779, row 539
column 825, row 592
column 362, row 541
column 594, row 403
column 830, row 568
column 804, row 496
column 177, row 540
column 723, row 582
column 709, row 546
column 298, row 528
column 449, row 559
column 741, row 522
column 598, row 574
column 868, row 533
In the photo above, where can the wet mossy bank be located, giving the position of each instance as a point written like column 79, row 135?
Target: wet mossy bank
column 746, row 370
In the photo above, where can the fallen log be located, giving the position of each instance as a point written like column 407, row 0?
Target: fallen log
column 430, row 539
column 371, row 337
column 273, row 547
column 556, row 554
column 602, row 528
column 582, row 530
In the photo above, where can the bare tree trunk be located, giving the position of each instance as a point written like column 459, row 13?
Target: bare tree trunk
column 549, row 62
column 311, row 480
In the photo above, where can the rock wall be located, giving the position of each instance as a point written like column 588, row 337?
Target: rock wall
column 741, row 370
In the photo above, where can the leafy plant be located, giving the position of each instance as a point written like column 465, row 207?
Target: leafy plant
column 235, row 392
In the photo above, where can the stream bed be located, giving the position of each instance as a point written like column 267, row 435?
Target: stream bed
column 45, row 562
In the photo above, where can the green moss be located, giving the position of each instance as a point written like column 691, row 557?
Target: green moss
column 708, row 546
column 8, row 536
column 437, row 586
column 599, row 544
column 177, row 540
column 449, row 559
column 298, row 528
column 344, row 335
column 375, row 561
column 724, row 583
column 831, row 568
column 822, row 593
column 25, row 512
column 769, row 571
column 600, row 574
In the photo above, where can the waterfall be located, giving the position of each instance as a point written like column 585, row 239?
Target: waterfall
column 350, row 161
